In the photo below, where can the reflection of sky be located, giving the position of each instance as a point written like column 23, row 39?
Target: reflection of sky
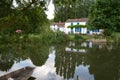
column 19, row 65
column 47, row 71
column 82, row 73
column 22, row 64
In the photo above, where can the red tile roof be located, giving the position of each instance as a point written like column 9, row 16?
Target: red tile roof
column 59, row 24
column 77, row 20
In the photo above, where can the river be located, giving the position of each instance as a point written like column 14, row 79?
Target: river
column 70, row 61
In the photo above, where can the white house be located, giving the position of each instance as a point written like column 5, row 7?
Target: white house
column 71, row 22
column 65, row 27
column 58, row 26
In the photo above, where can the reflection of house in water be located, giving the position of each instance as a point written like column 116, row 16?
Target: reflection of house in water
column 72, row 44
column 72, row 47
column 67, row 60
column 75, row 50
column 84, row 46
column 71, row 64
column 87, row 44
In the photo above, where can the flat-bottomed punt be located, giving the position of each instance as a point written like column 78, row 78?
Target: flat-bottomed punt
column 21, row 74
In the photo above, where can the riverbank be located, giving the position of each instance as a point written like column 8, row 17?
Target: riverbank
column 95, row 38
column 59, row 37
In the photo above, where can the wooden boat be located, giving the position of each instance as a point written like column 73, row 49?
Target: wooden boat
column 21, row 74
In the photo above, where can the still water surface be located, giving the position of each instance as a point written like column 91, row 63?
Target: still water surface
column 71, row 61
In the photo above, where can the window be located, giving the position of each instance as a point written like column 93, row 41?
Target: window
column 76, row 29
column 78, row 23
column 71, row 24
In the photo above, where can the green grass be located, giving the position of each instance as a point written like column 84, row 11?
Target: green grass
column 116, row 34
column 71, row 37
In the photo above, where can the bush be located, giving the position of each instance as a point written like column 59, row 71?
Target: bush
column 60, row 37
column 108, row 32
column 77, row 36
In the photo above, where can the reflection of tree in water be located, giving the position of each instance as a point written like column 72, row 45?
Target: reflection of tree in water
column 8, row 55
column 39, row 54
column 104, row 61
column 104, row 64
column 66, row 62
column 11, row 52
column 5, row 63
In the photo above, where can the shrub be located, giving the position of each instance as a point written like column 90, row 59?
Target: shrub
column 77, row 36
column 107, row 32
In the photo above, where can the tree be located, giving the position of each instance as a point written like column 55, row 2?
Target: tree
column 65, row 9
column 105, row 14
column 27, row 15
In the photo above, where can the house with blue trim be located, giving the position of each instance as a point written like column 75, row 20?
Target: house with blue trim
column 74, row 26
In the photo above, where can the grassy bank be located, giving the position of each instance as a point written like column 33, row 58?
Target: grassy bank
column 78, row 37
column 116, row 36
column 56, row 38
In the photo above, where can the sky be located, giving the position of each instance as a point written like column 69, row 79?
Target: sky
column 50, row 12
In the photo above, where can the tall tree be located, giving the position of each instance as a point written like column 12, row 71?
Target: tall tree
column 105, row 14
column 66, row 9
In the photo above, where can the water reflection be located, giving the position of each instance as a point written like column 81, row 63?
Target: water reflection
column 72, row 61
column 104, row 63
column 47, row 71
column 82, row 73
column 67, row 64
column 14, row 56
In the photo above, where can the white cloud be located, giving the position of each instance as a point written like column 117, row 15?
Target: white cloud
column 50, row 12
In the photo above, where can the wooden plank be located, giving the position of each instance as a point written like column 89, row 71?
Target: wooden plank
column 21, row 74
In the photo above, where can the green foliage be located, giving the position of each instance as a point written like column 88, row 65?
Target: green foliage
column 107, row 32
column 105, row 14
column 77, row 36
column 22, row 50
column 76, row 26
column 60, row 37
column 71, row 37
column 28, row 16
column 74, row 9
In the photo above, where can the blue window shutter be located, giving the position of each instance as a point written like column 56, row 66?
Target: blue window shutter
column 98, row 30
column 88, row 32
column 80, row 30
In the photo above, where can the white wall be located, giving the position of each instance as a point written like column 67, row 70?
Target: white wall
column 62, row 29
column 56, row 28
column 84, row 30
column 53, row 27
column 68, row 30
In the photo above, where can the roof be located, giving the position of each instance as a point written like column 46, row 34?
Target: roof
column 59, row 24
column 77, row 20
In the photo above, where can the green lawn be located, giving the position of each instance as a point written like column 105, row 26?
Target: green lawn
column 116, row 34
